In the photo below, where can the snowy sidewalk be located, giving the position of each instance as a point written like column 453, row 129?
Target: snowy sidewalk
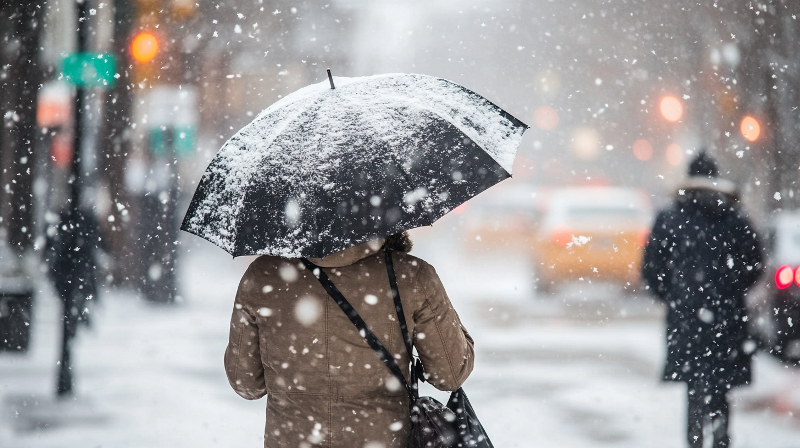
column 146, row 376
column 152, row 376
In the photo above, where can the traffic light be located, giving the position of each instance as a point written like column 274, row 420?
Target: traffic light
column 147, row 45
column 750, row 128
column 144, row 47
column 154, row 54
column 146, row 54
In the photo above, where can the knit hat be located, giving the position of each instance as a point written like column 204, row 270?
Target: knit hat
column 703, row 165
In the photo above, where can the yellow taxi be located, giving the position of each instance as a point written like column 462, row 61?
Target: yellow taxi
column 592, row 234
column 501, row 219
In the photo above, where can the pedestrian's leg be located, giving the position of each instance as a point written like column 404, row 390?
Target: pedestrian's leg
column 695, row 416
column 719, row 418
column 64, row 382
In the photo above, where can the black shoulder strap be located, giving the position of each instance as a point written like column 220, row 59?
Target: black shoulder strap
column 363, row 330
column 416, row 367
column 398, row 305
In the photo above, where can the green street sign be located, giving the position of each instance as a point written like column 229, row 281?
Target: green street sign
column 183, row 141
column 89, row 69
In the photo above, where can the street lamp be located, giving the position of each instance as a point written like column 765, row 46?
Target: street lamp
column 750, row 128
column 642, row 150
column 671, row 108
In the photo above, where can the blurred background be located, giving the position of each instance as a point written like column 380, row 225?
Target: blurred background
column 112, row 110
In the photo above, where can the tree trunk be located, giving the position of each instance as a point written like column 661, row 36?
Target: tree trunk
column 20, row 78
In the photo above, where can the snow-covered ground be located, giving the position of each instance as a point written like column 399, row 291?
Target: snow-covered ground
column 577, row 370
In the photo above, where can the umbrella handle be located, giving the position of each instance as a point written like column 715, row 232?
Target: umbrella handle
column 330, row 78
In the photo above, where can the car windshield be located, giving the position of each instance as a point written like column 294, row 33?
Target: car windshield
column 584, row 214
column 588, row 208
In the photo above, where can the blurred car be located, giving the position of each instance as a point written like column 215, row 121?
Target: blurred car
column 776, row 302
column 503, row 218
column 592, row 233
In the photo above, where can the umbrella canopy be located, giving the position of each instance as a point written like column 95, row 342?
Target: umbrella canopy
column 325, row 169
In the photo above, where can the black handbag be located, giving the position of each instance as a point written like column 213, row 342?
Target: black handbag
column 433, row 425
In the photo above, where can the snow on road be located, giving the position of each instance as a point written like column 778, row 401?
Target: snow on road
column 577, row 370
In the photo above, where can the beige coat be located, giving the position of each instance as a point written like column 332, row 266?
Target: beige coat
column 326, row 387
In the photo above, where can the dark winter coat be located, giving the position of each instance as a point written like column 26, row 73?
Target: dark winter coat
column 326, row 387
column 70, row 255
column 702, row 256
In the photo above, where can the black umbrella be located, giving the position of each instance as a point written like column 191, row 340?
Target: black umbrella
column 325, row 168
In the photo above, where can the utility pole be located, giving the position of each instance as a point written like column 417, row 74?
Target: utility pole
column 71, row 251
column 70, row 313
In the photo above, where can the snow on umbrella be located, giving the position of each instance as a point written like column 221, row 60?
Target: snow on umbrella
column 324, row 168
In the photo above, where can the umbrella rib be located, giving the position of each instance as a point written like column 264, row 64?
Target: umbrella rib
column 466, row 130
column 411, row 183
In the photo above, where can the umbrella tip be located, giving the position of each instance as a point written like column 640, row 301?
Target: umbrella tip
column 330, row 78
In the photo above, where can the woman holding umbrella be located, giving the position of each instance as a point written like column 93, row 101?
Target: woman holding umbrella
column 323, row 184
column 326, row 386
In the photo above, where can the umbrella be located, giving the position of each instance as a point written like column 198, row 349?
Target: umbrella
column 325, row 168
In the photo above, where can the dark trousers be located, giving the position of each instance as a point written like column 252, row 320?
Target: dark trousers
column 708, row 406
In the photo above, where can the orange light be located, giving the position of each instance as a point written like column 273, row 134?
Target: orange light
column 642, row 149
column 545, row 118
column 671, row 108
column 750, row 128
column 674, row 154
column 144, row 47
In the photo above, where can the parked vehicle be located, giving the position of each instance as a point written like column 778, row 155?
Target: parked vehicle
column 594, row 234
column 505, row 218
column 775, row 303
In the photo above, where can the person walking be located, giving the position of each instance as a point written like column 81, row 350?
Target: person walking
column 702, row 256
column 70, row 253
column 324, row 184
column 326, row 387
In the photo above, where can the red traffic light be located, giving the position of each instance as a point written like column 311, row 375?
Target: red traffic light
column 144, row 47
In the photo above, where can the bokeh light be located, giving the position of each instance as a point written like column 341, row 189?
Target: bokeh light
column 144, row 47
column 674, row 154
column 642, row 149
column 547, row 84
column 545, row 118
column 751, row 128
column 586, row 143
column 671, row 108
column 784, row 277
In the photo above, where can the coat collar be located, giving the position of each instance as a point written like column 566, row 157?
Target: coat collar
column 714, row 184
column 349, row 255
